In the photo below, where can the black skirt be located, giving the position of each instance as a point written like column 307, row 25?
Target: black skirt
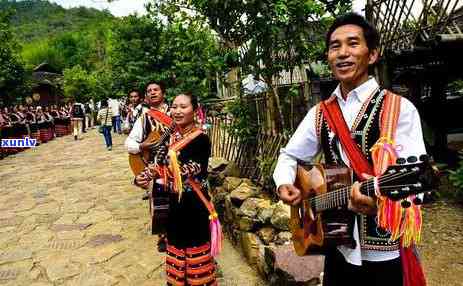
column 188, row 221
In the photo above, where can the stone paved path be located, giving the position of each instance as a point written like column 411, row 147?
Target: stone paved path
column 69, row 216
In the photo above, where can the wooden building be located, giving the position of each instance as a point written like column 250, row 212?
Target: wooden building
column 47, row 85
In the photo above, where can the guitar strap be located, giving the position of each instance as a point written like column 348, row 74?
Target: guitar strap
column 333, row 115
column 404, row 224
column 160, row 117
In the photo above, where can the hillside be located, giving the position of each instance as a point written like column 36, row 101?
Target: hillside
column 39, row 19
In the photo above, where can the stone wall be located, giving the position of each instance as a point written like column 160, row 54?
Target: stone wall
column 258, row 226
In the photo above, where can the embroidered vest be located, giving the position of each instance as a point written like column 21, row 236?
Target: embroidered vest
column 365, row 131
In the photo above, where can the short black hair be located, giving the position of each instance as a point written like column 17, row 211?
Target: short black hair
column 193, row 99
column 141, row 95
column 160, row 83
column 104, row 103
column 369, row 31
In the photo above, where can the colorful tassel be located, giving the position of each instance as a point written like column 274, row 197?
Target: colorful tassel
column 216, row 234
column 176, row 173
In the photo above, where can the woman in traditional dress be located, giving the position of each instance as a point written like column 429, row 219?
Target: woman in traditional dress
column 193, row 230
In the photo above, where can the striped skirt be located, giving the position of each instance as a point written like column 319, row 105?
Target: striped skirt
column 191, row 266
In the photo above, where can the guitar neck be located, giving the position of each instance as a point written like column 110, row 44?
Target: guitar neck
column 339, row 197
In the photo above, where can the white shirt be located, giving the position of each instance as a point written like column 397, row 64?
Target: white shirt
column 304, row 145
column 114, row 105
column 135, row 138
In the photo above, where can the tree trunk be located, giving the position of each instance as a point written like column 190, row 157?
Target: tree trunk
column 276, row 111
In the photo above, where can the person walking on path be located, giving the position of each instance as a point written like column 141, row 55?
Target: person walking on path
column 77, row 117
column 115, row 106
column 104, row 117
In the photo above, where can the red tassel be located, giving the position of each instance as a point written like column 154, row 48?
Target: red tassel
column 413, row 274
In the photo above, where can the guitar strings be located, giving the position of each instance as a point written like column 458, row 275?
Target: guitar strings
column 340, row 195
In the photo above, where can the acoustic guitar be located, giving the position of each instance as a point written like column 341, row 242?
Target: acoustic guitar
column 326, row 190
column 139, row 161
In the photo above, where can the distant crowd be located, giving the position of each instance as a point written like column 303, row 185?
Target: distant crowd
column 42, row 123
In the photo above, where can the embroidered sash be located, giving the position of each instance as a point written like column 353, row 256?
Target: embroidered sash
column 160, row 117
column 337, row 124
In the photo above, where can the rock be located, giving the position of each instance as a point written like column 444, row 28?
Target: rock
column 219, row 203
column 246, row 223
column 231, row 183
column 103, row 239
column 280, row 216
column 250, row 245
column 230, row 210
column 283, row 237
column 15, row 256
column 242, row 193
column 266, row 234
column 217, row 164
column 291, row 269
column 232, row 170
column 216, row 179
column 248, row 182
column 264, row 215
column 219, row 190
column 262, row 266
column 58, row 268
column 252, row 206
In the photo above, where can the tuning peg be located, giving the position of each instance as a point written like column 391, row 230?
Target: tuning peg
column 418, row 200
column 412, row 159
column 405, row 204
column 424, row 158
column 400, row 161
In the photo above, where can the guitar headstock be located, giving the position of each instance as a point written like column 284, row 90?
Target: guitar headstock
column 411, row 176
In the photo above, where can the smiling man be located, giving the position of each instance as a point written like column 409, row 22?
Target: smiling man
column 350, row 119
column 144, row 125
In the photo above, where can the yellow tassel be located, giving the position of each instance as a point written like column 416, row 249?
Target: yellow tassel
column 175, row 169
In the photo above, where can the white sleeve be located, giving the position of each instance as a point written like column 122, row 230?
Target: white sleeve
column 132, row 143
column 409, row 135
column 303, row 145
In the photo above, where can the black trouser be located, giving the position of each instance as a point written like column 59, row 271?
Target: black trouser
column 338, row 272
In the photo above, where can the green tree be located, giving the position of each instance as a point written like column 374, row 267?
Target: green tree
column 264, row 37
column 181, row 52
column 12, row 71
column 79, row 84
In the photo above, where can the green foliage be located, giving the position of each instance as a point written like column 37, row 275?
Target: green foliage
column 242, row 120
column 79, row 84
column 181, row 52
column 457, row 87
column 39, row 19
column 456, row 177
column 12, row 70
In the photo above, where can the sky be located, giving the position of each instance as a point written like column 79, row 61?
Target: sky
column 125, row 7
column 117, row 7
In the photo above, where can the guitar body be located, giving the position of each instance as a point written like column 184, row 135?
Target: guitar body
column 139, row 161
column 317, row 232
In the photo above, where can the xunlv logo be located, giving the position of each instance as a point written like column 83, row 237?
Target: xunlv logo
column 13, row 143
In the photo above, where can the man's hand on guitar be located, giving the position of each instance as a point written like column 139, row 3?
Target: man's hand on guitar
column 289, row 194
column 144, row 146
column 142, row 180
column 360, row 203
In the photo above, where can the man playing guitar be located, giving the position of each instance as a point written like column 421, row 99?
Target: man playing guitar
column 145, row 124
column 352, row 47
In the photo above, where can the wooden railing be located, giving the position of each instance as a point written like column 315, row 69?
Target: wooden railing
column 255, row 157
